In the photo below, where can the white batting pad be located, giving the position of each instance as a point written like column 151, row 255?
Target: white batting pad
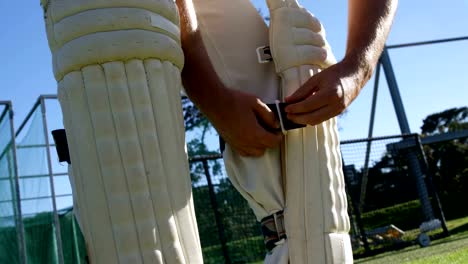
column 316, row 216
column 119, row 89
column 310, row 162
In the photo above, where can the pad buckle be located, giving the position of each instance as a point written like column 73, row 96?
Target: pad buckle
column 264, row 54
column 273, row 229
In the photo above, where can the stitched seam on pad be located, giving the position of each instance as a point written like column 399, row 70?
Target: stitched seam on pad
column 125, row 170
column 340, row 175
column 179, row 126
column 61, row 73
column 155, row 127
column 181, row 238
column 107, row 98
column 99, row 162
column 122, row 161
column 305, row 191
column 179, row 122
column 337, row 174
column 162, row 160
column 304, row 175
column 133, row 58
column 141, row 151
column 107, row 31
column 72, row 139
column 320, row 155
column 91, row 9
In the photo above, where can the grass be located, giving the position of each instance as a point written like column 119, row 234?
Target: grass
column 449, row 250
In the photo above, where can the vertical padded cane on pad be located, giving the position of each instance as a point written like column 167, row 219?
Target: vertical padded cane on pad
column 119, row 88
column 316, row 210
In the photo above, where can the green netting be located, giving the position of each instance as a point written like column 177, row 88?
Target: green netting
column 36, row 200
column 42, row 241
column 45, row 250
column 9, row 217
column 235, row 236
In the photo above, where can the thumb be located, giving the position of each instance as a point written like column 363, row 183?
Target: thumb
column 266, row 116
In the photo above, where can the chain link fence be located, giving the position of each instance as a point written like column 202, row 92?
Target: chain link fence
column 392, row 200
column 229, row 232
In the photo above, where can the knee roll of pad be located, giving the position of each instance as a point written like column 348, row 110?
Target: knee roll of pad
column 87, row 32
column 296, row 37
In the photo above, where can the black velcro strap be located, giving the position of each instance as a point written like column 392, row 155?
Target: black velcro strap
column 273, row 229
column 61, row 145
column 287, row 124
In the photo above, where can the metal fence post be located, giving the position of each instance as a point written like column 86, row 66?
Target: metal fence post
column 14, row 183
column 58, row 232
column 414, row 165
column 394, row 92
column 20, row 225
column 432, row 186
column 214, row 204
column 415, row 168
column 364, row 178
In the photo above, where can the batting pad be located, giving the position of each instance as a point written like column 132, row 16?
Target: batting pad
column 316, row 218
column 308, row 167
column 309, row 162
column 119, row 85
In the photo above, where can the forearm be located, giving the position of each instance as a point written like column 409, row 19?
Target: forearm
column 199, row 78
column 369, row 23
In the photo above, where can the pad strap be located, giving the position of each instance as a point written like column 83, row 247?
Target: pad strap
column 273, row 229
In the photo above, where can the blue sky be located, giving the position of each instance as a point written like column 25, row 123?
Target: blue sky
column 431, row 78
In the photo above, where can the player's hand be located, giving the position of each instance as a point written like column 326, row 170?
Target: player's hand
column 243, row 120
column 328, row 93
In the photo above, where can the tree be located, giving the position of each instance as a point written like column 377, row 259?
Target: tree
column 450, row 120
column 448, row 161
